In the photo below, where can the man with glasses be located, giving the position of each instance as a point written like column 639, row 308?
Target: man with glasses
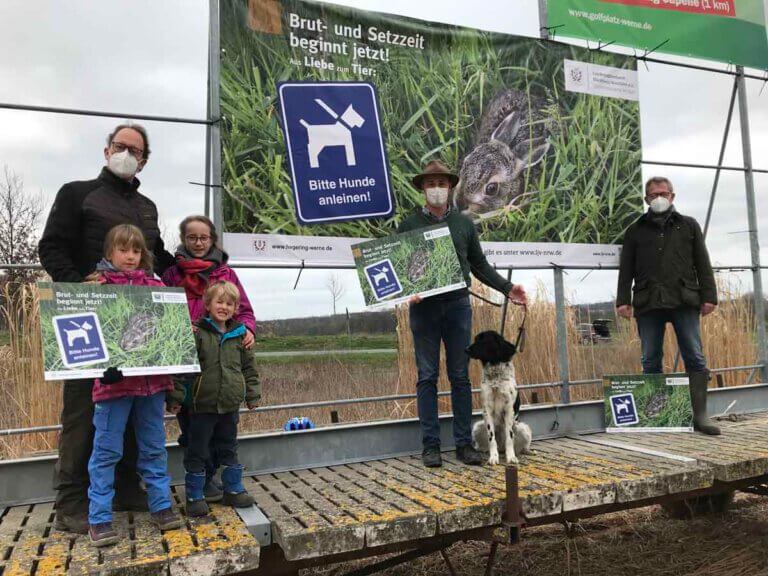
column 665, row 256
column 71, row 246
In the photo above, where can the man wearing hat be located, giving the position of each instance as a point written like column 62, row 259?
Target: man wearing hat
column 447, row 317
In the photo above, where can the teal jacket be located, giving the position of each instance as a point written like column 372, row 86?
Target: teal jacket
column 227, row 376
column 467, row 244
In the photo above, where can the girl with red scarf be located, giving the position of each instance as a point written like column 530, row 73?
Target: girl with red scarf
column 200, row 262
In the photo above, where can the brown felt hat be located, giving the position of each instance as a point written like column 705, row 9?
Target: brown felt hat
column 435, row 168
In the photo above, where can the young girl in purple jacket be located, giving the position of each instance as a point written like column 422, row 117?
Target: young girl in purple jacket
column 200, row 261
column 117, row 398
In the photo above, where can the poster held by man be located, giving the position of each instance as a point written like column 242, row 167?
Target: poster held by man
column 420, row 262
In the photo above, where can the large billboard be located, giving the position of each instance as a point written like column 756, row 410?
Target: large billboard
column 328, row 113
column 731, row 31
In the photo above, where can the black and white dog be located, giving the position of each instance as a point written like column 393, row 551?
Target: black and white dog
column 500, row 427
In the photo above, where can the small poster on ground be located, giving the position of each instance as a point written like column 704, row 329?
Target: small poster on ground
column 394, row 268
column 647, row 403
column 87, row 328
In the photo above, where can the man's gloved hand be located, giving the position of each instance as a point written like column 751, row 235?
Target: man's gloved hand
column 111, row 375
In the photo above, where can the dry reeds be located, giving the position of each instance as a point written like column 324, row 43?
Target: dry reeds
column 728, row 334
column 25, row 398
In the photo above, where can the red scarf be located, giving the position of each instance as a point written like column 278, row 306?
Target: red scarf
column 193, row 282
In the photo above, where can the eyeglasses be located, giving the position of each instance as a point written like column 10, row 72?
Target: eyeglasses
column 195, row 239
column 118, row 147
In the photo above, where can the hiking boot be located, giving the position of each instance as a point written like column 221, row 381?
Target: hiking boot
column 469, row 455
column 697, row 384
column 166, row 519
column 431, row 457
column 102, row 534
column 212, row 491
column 75, row 523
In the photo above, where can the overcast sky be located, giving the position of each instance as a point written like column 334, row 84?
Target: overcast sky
column 150, row 57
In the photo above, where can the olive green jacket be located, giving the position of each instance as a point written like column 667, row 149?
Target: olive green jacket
column 668, row 264
column 227, row 372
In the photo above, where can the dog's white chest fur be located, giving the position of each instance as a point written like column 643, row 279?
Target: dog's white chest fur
column 498, row 390
column 500, row 428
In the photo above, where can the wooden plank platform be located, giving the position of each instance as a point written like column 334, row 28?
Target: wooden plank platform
column 217, row 545
column 740, row 452
column 338, row 509
column 365, row 507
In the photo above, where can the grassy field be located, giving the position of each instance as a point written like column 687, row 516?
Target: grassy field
column 331, row 342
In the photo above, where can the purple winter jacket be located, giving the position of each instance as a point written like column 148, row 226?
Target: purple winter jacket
column 131, row 385
column 244, row 313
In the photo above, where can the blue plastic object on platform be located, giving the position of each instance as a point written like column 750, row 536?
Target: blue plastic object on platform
column 299, row 423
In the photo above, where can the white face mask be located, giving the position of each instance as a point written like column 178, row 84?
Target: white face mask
column 123, row 164
column 437, row 197
column 660, row 204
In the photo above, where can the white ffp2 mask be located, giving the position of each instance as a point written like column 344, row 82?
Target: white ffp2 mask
column 660, row 204
column 123, row 164
column 437, row 197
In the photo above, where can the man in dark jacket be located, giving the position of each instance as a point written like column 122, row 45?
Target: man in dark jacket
column 448, row 317
column 71, row 246
column 665, row 255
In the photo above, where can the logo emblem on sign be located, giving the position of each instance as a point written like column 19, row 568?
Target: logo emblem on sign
column 383, row 279
column 321, row 136
column 80, row 339
column 336, row 152
column 624, row 409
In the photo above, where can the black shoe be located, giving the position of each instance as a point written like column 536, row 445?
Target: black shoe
column 102, row 534
column 469, row 455
column 75, row 523
column 431, row 457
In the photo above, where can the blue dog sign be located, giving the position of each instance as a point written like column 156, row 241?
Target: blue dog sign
column 80, row 339
column 336, row 151
column 624, row 410
column 383, row 279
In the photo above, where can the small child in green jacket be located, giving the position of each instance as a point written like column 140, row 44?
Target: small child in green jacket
column 227, row 378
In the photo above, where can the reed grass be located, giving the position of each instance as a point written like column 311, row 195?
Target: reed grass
column 728, row 335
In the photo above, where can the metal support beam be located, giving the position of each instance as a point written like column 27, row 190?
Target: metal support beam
column 754, row 243
column 562, row 336
column 214, row 50
column 331, row 445
column 721, row 157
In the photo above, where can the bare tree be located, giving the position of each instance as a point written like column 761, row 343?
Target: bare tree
column 19, row 220
column 336, row 288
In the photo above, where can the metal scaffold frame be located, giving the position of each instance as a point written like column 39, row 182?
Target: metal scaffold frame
column 214, row 205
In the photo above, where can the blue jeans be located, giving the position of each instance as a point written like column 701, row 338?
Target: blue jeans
column 451, row 322
column 110, row 418
column 685, row 321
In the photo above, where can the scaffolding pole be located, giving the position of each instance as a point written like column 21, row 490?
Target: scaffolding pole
column 754, row 243
column 214, row 185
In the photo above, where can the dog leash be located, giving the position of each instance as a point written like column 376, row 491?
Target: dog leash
column 520, row 339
